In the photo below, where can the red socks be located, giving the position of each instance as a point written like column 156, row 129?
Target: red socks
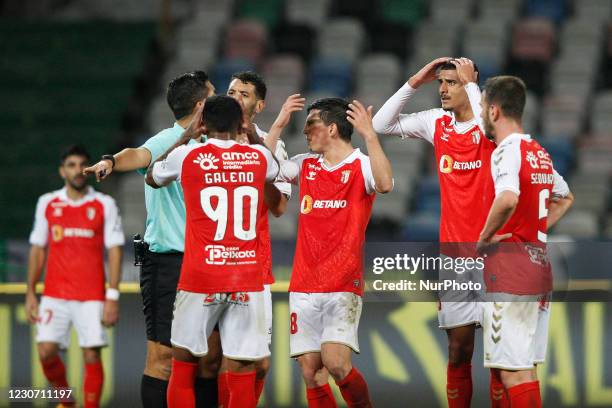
column 320, row 397
column 354, row 390
column 223, row 387
column 94, row 378
column 241, row 390
column 525, row 395
column 55, row 372
column 459, row 385
column 497, row 391
column 259, row 386
column 180, row 388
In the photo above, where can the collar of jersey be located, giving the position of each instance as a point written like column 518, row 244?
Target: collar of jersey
column 454, row 122
column 63, row 194
column 348, row 159
column 222, row 143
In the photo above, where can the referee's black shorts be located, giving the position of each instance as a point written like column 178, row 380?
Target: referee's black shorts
column 159, row 276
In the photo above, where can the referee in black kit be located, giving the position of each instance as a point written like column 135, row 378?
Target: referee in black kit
column 164, row 244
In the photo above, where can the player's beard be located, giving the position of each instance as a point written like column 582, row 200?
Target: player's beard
column 488, row 128
column 79, row 183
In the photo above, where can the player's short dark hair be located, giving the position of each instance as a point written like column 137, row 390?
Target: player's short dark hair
column 253, row 78
column 75, row 150
column 333, row 110
column 185, row 91
column 222, row 114
column 509, row 93
column 450, row 66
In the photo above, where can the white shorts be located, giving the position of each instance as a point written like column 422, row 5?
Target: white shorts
column 240, row 317
column 515, row 332
column 461, row 307
column 267, row 293
column 317, row 318
column 56, row 316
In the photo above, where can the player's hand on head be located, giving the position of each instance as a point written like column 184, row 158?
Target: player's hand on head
column 294, row 103
column 361, row 118
column 31, row 307
column 101, row 169
column 427, row 73
column 110, row 314
column 465, row 70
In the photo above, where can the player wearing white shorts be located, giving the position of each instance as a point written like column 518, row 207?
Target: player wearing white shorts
column 72, row 227
column 249, row 89
column 530, row 197
column 466, row 191
column 221, row 278
column 338, row 185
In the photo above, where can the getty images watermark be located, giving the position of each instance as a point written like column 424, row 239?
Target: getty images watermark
column 452, row 273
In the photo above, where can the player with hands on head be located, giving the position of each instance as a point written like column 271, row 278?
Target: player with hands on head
column 462, row 156
column 338, row 185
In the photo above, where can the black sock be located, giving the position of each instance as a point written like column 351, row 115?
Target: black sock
column 153, row 392
column 206, row 392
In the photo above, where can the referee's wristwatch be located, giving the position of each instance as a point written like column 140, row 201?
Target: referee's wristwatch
column 111, row 158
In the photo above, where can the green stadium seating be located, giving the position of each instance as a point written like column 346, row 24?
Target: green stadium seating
column 409, row 12
column 266, row 11
column 60, row 84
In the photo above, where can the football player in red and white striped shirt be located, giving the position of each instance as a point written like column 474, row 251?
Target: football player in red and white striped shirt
column 338, row 184
column 466, row 192
column 221, row 280
column 72, row 227
column 530, row 197
column 250, row 90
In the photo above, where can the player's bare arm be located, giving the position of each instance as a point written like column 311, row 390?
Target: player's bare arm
column 275, row 200
column 468, row 77
column 502, row 209
column 195, row 131
column 294, row 103
column 110, row 314
column 126, row 160
column 427, row 73
column 36, row 261
column 361, row 119
column 557, row 208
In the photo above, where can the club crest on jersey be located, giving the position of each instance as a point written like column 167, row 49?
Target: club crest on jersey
column 206, row 161
column 57, row 212
column 91, row 213
column 345, row 176
column 476, row 137
column 311, row 175
column 445, row 136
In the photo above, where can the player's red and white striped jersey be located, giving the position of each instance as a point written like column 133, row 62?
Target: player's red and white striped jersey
column 463, row 154
column 223, row 186
column 335, row 207
column 263, row 225
column 520, row 165
column 76, row 233
column 466, row 189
